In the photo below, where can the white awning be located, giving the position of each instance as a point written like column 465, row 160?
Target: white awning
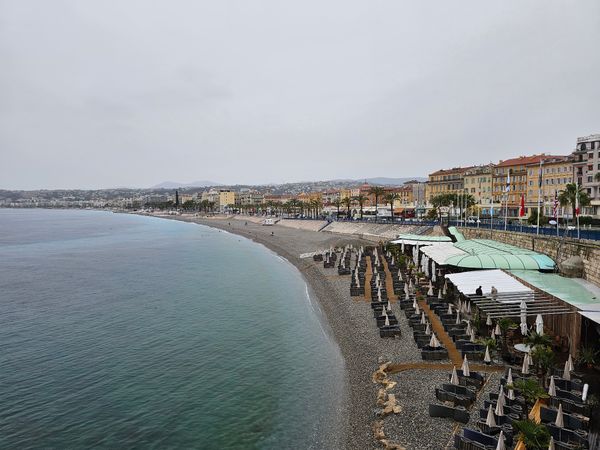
column 413, row 242
column 467, row 282
column 594, row 316
column 441, row 251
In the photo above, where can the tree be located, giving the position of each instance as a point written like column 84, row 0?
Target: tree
column 347, row 202
column 535, row 436
column 337, row 202
column 361, row 199
column 569, row 196
column 377, row 191
column 391, row 198
column 532, row 219
column 440, row 200
column 533, row 339
column 531, row 390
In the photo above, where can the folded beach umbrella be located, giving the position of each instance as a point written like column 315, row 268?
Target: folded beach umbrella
column 509, row 378
column 445, row 288
column 406, row 296
column 511, row 393
column 410, row 284
column 570, row 360
column 499, row 409
column 440, row 296
column 406, row 291
column 523, row 305
column 551, row 445
column 427, row 330
column 423, row 320
column 525, row 366
column 488, row 321
column 379, row 294
column 469, row 329
column 449, row 309
column 552, row 387
column 497, row 331
column 465, row 367
column 560, row 420
column 433, row 342
column 523, row 323
column 387, row 321
column 430, row 290
column 566, row 371
column 454, row 378
column 384, row 311
column 457, row 317
column 487, row 358
column 493, row 333
column 501, row 399
column 490, row 421
column 539, row 324
column 402, row 247
column 468, row 307
column 584, row 392
column 473, row 339
column 433, row 270
column 501, row 445
column 415, row 303
column 417, row 309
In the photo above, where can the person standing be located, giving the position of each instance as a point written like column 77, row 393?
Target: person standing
column 494, row 293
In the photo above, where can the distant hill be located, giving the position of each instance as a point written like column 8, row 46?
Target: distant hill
column 383, row 181
column 392, row 181
column 175, row 185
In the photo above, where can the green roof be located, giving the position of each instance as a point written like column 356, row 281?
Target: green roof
column 567, row 289
column 488, row 254
column 457, row 234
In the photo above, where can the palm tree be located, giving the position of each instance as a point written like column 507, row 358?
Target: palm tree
column 347, row 202
column 318, row 205
column 377, row 191
column 337, row 202
column 361, row 201
column 570, row 194
column 391, row 198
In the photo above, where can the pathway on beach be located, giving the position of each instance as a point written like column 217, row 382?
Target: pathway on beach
column 368, row 277
column 389, row 282
column 440, row 332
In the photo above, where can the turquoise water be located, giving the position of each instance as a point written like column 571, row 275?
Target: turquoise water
column 120, row 331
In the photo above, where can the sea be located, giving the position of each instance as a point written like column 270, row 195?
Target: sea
column 125, row 331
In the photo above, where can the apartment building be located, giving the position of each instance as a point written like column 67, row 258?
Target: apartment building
column 446, row 181
column 586, row 167
column 514, row 172
column 556, row 173
column 478, row 183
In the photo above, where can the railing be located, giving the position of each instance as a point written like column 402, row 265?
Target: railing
column 584, row 233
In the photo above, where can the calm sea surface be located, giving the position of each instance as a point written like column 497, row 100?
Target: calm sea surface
column 120, row 331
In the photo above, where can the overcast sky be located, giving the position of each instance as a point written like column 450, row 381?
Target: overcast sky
column 131, row 93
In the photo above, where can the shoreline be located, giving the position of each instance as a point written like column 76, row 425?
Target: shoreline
column 352, row 429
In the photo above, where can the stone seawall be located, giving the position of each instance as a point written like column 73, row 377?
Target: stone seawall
column 559, row 249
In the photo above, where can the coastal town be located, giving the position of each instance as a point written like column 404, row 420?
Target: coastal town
column 515, row 189
column 466, row 305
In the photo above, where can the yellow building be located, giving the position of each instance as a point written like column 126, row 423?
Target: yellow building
column 226, row 198
column 557, row 172
column 446, row 181
column 478, row 183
